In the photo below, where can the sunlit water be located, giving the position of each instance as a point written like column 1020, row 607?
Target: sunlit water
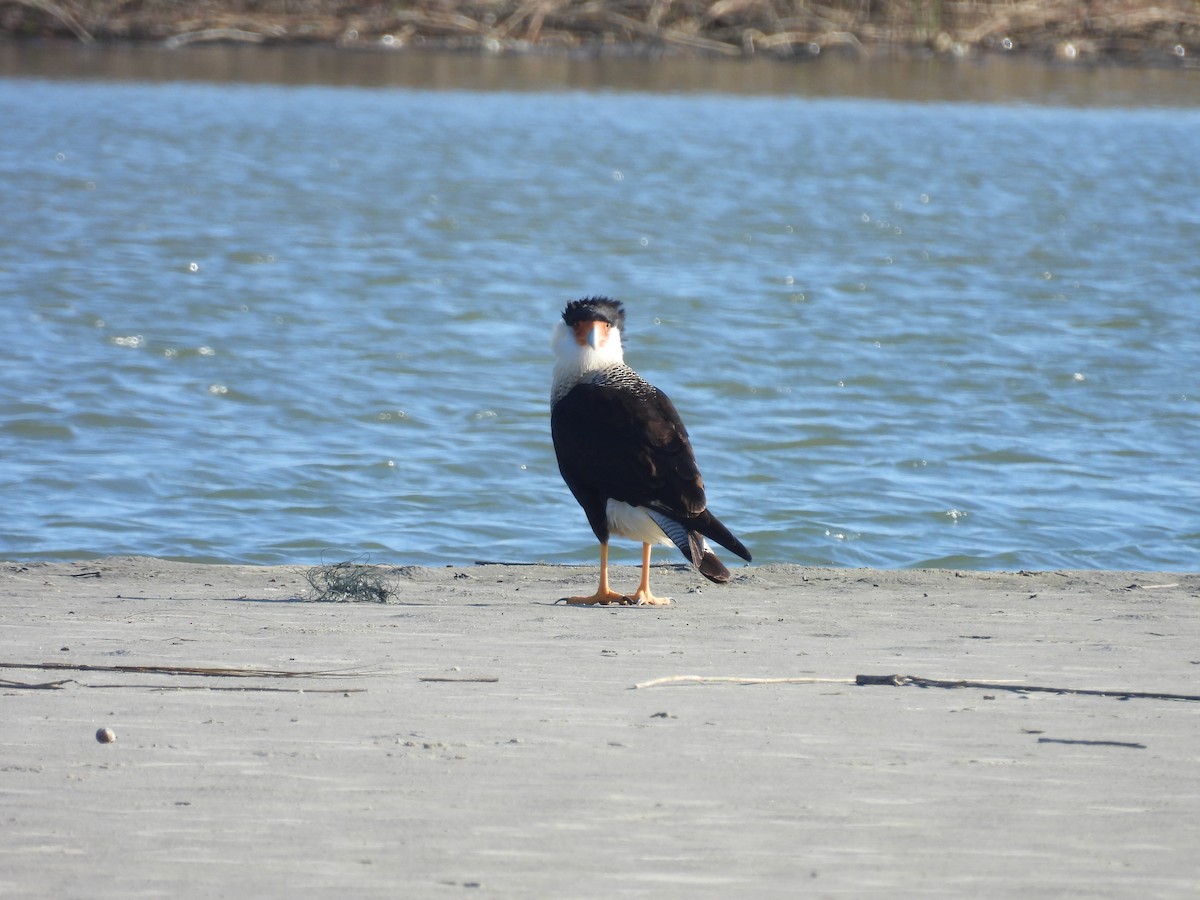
column 278, row 323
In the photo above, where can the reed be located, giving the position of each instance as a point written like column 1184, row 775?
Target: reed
column 790, row 28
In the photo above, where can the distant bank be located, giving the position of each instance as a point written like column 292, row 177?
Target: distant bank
column 1166, row 32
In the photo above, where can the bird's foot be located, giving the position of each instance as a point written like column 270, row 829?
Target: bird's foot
column 645, row 598
column 600, row 598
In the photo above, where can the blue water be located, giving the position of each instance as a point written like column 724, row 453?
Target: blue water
column 270, row 323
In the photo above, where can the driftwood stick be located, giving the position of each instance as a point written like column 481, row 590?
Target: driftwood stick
column 1132, row 745
column 6, row 683
column 212, row 34
column 442, row 22
column 215, row 672
column 735, row 679
column 918, row 681
column 240, row 689
column 63, row 15
column 671, row 35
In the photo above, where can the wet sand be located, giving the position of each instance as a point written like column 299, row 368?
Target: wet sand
column 476, row 738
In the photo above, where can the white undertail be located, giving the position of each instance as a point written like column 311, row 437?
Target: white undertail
column 635, row 523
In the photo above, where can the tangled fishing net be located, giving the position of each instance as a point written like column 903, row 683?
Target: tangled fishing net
column 350, row 582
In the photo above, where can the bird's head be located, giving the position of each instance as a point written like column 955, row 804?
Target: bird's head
column 589, row 335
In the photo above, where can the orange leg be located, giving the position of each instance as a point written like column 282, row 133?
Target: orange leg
column 604, row 594
column 643, row 597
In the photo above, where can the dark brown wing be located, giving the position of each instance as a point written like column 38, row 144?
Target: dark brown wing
column 627, row 445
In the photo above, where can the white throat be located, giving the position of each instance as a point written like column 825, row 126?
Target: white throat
column 574, row 362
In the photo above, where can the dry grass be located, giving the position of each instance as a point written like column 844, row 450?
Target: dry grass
column 1067, row 28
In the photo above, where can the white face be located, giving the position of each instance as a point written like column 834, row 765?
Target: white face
column 588, row 345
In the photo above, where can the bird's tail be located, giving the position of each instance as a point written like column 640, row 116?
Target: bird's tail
column 711, row 567
column 712, row 527
column 691, row 544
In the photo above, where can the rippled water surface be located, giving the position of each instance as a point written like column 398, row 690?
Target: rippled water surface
column 285, row 323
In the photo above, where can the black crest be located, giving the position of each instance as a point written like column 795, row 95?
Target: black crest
column 595, row 309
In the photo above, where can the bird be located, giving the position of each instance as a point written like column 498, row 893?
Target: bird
column 624, row 452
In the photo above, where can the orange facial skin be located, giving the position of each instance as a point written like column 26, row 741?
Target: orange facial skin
column 593, row 334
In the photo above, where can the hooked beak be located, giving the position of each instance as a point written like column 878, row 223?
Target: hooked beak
column 591, row 333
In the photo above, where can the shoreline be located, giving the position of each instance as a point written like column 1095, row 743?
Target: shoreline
column 474, row 735
column 1073, row 32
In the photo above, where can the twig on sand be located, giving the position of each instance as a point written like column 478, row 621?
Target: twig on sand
column 41, row 686
column 204, row 671
column 243, row 689
column 735, row 679
column 918, row 681
column 1132, row 745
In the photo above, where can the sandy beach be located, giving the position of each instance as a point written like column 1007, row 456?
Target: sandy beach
column 472, row 737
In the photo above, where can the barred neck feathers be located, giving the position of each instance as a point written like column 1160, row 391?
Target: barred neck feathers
column 575, row 363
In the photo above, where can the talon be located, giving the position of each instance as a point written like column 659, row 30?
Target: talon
column 648, row 599
column 605, row 598
column 604, row 595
